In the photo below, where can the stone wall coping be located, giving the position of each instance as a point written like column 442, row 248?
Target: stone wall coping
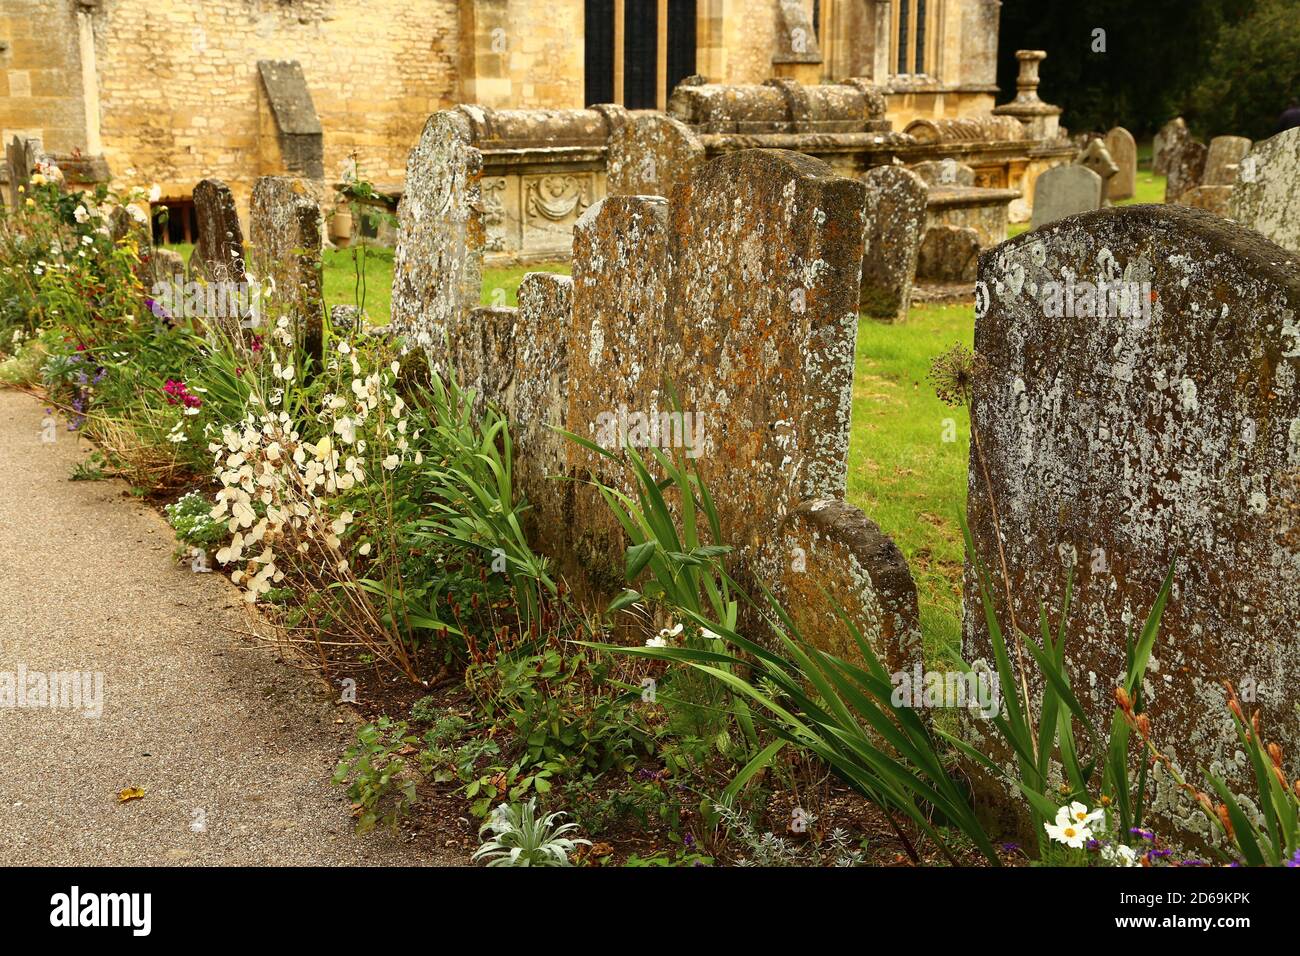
column 958, row 196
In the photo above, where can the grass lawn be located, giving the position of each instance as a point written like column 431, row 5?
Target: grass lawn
column 908, row 451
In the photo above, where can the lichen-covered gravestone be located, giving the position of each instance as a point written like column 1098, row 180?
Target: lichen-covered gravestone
column 1139, row 410
column 1186, row 169
column 1266, row 197
column 1222, row 159
column 895, row 207
column 1167, row 143
column 1123, row 150
column 218, row 254
column 650, row 154
column 438, row 263
column 1215, row 199
column 1065, row 191
column 949, row 254
column 285, row 232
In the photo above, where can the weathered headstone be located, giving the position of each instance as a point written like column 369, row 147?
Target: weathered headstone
column 1221, row 161
column 1123, row 150
column 20, row 157
column 949, row 254
column 1096, row 156
column 1167, row 143
column 1186, row 168
column 438, row 263
column 1065, row 191
column 1215, row 199
column 621, row 274
column 1266, row 197
column 650, row 154
column 218, row 254
column 285, row 232
column 1139, row 410
column 540, row 408
column 895, row 210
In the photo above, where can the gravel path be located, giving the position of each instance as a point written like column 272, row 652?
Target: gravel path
column 233, row 750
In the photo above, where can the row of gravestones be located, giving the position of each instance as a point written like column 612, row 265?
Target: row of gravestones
column 1198, row 175
column 1139, row 408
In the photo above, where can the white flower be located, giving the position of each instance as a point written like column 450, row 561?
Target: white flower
column 1079, row 814
column 1072, row 835
column 710, row 635
column 365, row 549
column 80, row 214
column 391, row 462
column 656, row 642
column 155, row 192
column 87, row 241
column 136, row 213
column 1120, row 855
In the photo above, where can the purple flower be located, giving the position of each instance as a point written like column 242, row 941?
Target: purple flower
column 1010, row 847
column 1294, row 862
column 689, row 841
column 1144, row 834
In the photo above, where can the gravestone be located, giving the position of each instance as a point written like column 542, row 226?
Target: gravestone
column 1266, row 197
column 218, row 254
column 1167, row 143
column 1065, row 191
column 540, row 407
column 20, row 157
column 650, row 154
column 1215, row 199
column 1186, row 168
column 1096, row 157
column 1155, row 422
column 949, row 254
column 1123, row 150
column 621, row 276
column 896, row 199
column 1225, row 152
column 438, row 262
column 285, row 233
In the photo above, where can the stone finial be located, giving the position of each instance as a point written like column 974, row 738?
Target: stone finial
column 1042, row 120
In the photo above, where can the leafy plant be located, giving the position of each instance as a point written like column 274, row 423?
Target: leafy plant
column 376, row 774
column 519, row 837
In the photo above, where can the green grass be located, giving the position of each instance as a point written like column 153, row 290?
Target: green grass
column 908, row 451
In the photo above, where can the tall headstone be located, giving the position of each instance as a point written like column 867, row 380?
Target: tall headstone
column 1225, row 153
column 20, row 157
column 621, row 277
column 285, row 232
column 1186, row 169
column 895, row 222
column 1167, row 143
column 438, row 263
column 1065, row 191
column 1139, row 410
column 1123, row 150
column 218, row 254
column 1266, row 196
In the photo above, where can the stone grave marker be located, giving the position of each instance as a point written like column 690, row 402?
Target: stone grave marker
column 896, row 199
column 1225, row 152
column 1065, row 191
column 1138, row 410
column 1266, row 197
column 1123, row 150
column 285, row 232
